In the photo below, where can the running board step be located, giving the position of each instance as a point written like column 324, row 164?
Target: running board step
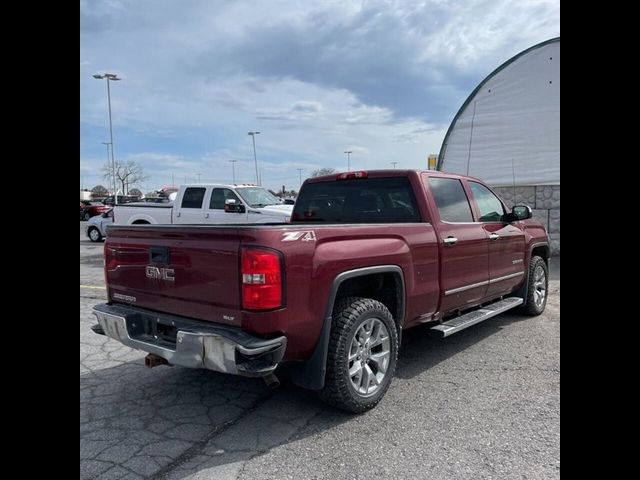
column 476, row 316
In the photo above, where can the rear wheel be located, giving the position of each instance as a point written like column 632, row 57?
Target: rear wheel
column 363, row 349
column 87, row 216
column 538, row 287
column 94, row 234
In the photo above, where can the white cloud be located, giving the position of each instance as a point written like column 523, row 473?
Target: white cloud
column 316, row 78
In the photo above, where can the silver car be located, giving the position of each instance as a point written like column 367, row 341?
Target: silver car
column 96, row 227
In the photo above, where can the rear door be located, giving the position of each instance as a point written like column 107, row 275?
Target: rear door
column 190, row 208
column 506, row 241
column 464, row 252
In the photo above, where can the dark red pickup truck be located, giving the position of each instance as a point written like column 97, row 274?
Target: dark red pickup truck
column 366, row 255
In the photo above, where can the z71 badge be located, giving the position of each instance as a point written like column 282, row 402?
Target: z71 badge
column 305, row 236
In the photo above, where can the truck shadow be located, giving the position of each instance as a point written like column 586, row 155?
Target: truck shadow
column 420, row 351
column 171, row 422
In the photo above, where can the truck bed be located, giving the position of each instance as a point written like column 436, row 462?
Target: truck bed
column 205, row 260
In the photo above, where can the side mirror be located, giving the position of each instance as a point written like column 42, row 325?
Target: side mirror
column 232, row 206
column 521, row 212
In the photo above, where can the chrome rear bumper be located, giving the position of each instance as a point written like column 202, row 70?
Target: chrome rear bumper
column 191, row 343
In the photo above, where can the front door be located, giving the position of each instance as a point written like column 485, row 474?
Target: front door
column 464, row 251
column 506, row 242
column 216, row 214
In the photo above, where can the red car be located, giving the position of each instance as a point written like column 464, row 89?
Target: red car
column 91, row 209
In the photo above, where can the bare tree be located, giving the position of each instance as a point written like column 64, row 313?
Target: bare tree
column 323, row 171
column 128, row 174
column 99, row 192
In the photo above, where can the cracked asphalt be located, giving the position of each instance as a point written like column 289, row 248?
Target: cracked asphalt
column 483, row 403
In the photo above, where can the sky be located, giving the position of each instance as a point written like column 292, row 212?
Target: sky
column 382, row 79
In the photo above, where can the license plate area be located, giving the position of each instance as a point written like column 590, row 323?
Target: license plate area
column 152, row 329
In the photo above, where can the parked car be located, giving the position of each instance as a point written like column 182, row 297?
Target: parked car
column 110, row 200
column 96, row 227
column 208, row 203
column 366, row 256
column 91, row 209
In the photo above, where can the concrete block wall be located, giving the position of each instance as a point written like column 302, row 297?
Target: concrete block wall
column 545, row 201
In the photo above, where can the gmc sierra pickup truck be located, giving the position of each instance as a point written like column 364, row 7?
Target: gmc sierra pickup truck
column 366, row 256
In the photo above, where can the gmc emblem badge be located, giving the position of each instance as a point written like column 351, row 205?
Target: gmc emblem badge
column 160, row 273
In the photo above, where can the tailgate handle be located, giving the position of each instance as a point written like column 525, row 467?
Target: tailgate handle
column 160, row 255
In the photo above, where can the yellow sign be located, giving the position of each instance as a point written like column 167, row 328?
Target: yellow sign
column 432, row 161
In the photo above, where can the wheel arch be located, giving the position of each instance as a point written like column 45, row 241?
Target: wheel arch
column 140, row 219
column 540, row 249
column 311, row 373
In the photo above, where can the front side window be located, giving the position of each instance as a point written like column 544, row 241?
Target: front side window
column 193, row 197
column 452, row 202
column 490, row 206
column 219, row 196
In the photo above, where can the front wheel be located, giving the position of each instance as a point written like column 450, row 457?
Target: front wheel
column 363, row 350
column 94, row 234
column 537, row 287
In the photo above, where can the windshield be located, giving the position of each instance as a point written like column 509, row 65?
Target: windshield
column 257, row 197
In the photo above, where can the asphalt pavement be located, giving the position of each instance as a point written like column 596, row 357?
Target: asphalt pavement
column 483, row 403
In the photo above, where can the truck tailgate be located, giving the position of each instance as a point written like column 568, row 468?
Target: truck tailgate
column 190, row 271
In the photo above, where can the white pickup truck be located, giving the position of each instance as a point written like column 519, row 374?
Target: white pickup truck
column 208, row 203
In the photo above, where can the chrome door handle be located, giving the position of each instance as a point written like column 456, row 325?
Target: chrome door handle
column 494, row 236
column 450, row 240
column 206, row 215
column 178, row 214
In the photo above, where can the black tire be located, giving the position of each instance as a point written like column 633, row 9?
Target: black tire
column 94, row 235
column 87, row 216
column 534, row 287
column 348, row 316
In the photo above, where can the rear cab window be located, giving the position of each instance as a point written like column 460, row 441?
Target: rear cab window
column 364, row 200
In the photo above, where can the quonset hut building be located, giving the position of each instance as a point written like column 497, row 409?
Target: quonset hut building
column 508, row 128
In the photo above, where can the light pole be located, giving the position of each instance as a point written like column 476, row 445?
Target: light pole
column 233, row 167
column 300, row 177
column 255, row 159
column 110, row 77
column 348, row 152
column 394, row 164
column 113, row 173
column 198, row 176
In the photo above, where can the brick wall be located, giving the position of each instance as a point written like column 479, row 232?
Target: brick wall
column 545, row 201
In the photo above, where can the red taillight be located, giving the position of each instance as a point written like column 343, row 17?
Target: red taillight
column 351, row 175
column 261, row 274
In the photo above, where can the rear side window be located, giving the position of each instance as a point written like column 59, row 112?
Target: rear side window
column 219, row 196
column 367, row 200
column 452, row 202
column 193, row 197
column 491, row 209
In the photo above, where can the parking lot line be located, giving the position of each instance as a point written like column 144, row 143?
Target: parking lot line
column 96, row 287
